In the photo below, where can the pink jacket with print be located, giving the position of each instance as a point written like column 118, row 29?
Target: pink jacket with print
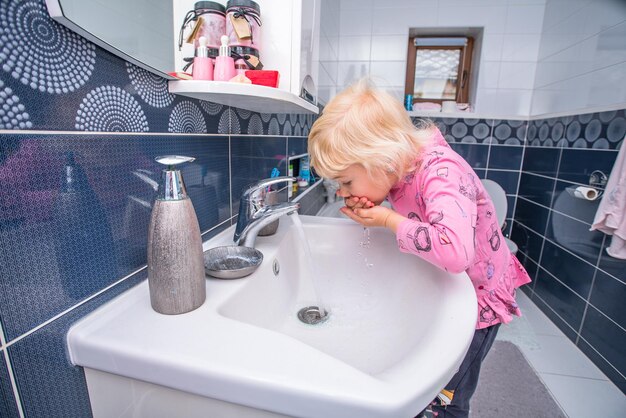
column 452, row 224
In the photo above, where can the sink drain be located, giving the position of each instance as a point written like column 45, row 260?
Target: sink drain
column 312, row 315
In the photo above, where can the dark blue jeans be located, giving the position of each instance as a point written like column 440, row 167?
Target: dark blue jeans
column 464, row 382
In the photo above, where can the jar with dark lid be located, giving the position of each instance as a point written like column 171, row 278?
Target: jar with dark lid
column 213, row 24
column 248, row 14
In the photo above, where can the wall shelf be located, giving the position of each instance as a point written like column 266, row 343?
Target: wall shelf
column 252, row 97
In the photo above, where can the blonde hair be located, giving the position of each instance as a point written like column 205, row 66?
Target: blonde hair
column 367, row 126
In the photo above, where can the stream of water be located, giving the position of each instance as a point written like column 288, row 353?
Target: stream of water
column 310, row 265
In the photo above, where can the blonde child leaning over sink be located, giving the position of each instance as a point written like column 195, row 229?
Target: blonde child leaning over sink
column 366, row 141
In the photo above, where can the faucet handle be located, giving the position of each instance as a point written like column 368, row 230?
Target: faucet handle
column 255, row 191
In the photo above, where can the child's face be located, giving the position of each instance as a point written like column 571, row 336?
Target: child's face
column 354, row 181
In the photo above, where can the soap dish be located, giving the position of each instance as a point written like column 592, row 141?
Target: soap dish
column 232, row 261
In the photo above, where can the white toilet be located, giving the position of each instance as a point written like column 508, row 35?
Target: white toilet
column 498, row 196
column 575, row 236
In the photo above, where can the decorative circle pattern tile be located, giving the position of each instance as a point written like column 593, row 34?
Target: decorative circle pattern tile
column 585, row 118
column 187, row 117
column 607, row 116
column 229, row 122
column 544, row 131
column 110, row 109
column 211, row 108
column 480, row 131
column 468, row 140
column 459, row 130
column 41, row 53
column 13, row 114
column 616, row 130
column 601, row 144
column 297, row 130
column 502, row 131
column 287, row 129
column 243, row 113
column 557, row 131
column 573, row 131
column 274, row 128
column 255, row 126
column 532, row 132
column 593, row 130
column 151, row 88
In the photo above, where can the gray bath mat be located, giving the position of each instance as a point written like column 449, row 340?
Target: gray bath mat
column 509, row 387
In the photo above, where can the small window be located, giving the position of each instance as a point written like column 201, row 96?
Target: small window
column 439, row 69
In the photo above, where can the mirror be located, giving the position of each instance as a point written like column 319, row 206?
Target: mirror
column 139, row 31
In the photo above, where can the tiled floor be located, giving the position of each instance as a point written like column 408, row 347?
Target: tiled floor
column 577, row 385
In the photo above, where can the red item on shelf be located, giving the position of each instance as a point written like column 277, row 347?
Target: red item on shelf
column 181, row 75
column 263, row 77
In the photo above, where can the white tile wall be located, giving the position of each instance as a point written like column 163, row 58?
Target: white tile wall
column 389, row 48
column 582, row 57
column 511, row 41
column 328, row 74
column 520, row 47
column 356, row 4
column 329, row 49
column 537, row 56
column 351, row 71
column 486, row 101
column 492, row 47
column 489, row 74
column 491, row 18
column 521, row 18
column 388, row 73
column 398, row 20
column 355, row 48
column 355, row 22
column 517, row 75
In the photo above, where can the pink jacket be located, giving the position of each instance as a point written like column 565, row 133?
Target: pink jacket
column 452, row 224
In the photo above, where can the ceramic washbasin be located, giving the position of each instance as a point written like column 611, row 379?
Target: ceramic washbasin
column 397, row 331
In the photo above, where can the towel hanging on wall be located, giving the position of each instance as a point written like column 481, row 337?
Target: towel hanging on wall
column 611, row 215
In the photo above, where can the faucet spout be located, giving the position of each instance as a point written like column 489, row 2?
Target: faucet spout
column 261, row 218
column 254, row 213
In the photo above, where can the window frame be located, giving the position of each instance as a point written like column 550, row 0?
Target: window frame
column 464, row 74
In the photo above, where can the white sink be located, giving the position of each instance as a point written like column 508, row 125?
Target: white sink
column 397, row 331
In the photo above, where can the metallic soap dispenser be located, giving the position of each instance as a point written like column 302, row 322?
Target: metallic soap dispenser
column 175, row 260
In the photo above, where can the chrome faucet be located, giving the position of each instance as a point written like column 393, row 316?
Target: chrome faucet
column 254, row 213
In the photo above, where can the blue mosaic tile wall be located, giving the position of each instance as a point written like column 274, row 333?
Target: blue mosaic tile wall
column 576, row 283
column 69, row 243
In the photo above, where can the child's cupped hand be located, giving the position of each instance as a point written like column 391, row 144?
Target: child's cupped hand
column 354, row 202
column 368, row 216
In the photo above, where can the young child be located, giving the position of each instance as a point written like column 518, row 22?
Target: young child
column 365, row 140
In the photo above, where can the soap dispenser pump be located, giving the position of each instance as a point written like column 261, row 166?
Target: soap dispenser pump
column 224, row 63
column 175, row 260
column 202, row 63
